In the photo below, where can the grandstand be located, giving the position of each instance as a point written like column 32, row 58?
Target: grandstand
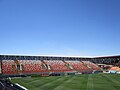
column 21, row 65
column 18, row 65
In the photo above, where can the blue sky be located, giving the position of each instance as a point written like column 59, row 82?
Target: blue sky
column 60, row 27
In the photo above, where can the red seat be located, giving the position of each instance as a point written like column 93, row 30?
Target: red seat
column 57, row 65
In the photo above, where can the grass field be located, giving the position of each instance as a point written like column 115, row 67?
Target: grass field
column 79, row 82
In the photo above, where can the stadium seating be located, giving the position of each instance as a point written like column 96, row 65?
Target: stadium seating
column 22, row 66
column 57, row 65
column 91, row 65
column 8, row 67
column 32, row 66
column 79, row 66
column 46, row 66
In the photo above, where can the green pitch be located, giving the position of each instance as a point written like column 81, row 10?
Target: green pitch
column 79, row 82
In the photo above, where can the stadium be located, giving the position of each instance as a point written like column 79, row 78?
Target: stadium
column 20, row 72
column 59, row 44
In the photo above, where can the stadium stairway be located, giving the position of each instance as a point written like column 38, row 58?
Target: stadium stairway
column 70, row 66
column 79, row 66
column 45, row 66
column 57, row 66
column 91, row 65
